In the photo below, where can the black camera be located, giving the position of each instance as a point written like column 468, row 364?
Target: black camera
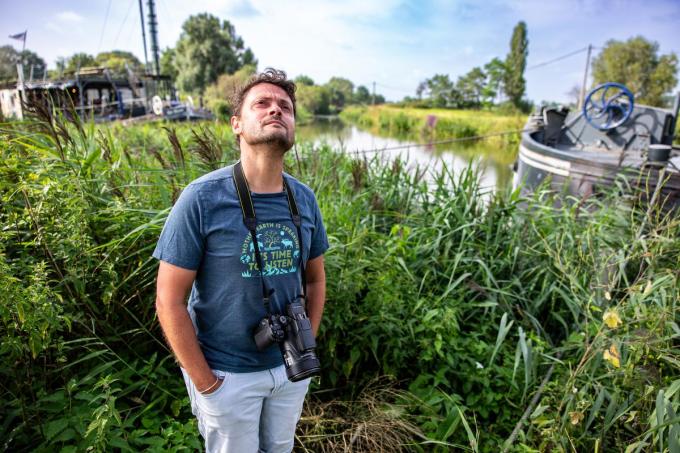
column 293, row 333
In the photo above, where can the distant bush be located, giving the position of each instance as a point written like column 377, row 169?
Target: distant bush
column 222, row 110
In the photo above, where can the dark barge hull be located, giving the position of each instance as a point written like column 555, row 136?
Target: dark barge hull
column 582, row 161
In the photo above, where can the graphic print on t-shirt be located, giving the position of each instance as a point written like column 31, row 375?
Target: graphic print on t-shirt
column 279, row 250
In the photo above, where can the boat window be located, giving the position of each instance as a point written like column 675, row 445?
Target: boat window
column 92, row 94
column 126, row 95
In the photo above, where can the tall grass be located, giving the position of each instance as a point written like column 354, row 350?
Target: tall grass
column 466, row 304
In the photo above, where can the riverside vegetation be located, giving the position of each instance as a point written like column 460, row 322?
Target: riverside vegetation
column 432, row 125
column 447, row 316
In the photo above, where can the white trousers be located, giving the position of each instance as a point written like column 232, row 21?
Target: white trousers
column 249, row 412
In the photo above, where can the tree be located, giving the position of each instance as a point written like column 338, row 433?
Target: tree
column 8, row 63
column 222, row 90
column 471, row 86
column 76, row 61
column 342, row 91
column 515, row 64
column 116, row 61
column 439, row 90
column 314, row 99
column 168, row 67
column 636, row 64
column 304, row 80
column 495, row 74
column 574, row 94
column 207, row 49
column 421, row 88
column 362, row 95
column 9, row 58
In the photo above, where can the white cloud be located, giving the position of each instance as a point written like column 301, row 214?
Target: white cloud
column 69, row 17
column 54, row 27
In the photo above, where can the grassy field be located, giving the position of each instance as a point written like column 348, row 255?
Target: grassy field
column 447, row 318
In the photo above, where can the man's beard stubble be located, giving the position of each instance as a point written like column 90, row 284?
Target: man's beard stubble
column 274, row 139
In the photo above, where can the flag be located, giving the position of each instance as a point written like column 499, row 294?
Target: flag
column 19, row 36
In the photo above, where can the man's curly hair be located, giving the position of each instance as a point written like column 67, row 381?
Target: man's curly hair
column 270, row 75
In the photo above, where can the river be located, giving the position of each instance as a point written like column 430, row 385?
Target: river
column 456, row 156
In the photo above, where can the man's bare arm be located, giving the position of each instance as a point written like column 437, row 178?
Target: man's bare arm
column 172, row 286
column 316, row 291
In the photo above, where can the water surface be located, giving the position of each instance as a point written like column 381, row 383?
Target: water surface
column 456, row 156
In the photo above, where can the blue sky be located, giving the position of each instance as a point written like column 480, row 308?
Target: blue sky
column 391, row 42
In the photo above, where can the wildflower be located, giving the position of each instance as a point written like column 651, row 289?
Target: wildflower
column 607, row 295
column 613, row 356
column 648, row 288
column 612, row 319
column 576, row 417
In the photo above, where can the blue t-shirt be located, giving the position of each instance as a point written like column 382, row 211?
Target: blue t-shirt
column 205, row 232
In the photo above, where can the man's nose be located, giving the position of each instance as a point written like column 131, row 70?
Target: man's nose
column 275, row 109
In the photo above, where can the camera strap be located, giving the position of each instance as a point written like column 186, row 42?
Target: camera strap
column 250, row 221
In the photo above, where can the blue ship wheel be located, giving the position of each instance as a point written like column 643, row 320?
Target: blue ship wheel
column 607, row 113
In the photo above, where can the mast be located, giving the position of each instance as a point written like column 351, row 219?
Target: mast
column 141, row 18
column 585, row 79
column 153, row 30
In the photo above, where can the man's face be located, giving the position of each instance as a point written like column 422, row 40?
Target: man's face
column 266, row 118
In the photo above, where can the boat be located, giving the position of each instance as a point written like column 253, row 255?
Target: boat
column 585, row 153
column 94, row 93
column 97, row 94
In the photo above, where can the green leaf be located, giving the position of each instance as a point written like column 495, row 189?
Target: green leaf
column 55, row 427
column 596, row 408
column 503, row 330
column 672, row 389
column 660, row 415
column 448, row 426
column 538, row 411
column 66, row 435
column 471, row 438
column 673, row 431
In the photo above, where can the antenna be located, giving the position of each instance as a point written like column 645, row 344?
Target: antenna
column 153, row 30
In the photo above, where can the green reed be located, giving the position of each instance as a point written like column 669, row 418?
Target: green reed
column 465, row 301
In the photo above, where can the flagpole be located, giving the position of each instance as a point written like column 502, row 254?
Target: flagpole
column 23, row 47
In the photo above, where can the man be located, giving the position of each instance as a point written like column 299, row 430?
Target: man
column 241, row 396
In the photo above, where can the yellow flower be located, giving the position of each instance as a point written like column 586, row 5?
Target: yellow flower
column 607, row 295
column 576, row 417
column 613, row 356
column 612, row 319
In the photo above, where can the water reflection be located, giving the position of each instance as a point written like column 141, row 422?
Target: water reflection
column 455, row 156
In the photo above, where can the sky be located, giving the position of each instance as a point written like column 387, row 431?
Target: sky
column 394, row 43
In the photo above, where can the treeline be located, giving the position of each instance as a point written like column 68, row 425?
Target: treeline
column 118, row 62
column 494, row 83
column 635, row 63
column 312, row 99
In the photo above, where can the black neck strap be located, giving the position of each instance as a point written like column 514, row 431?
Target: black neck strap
column 249, row 219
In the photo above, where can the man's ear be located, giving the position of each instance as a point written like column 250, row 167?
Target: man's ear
column 235, row 124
